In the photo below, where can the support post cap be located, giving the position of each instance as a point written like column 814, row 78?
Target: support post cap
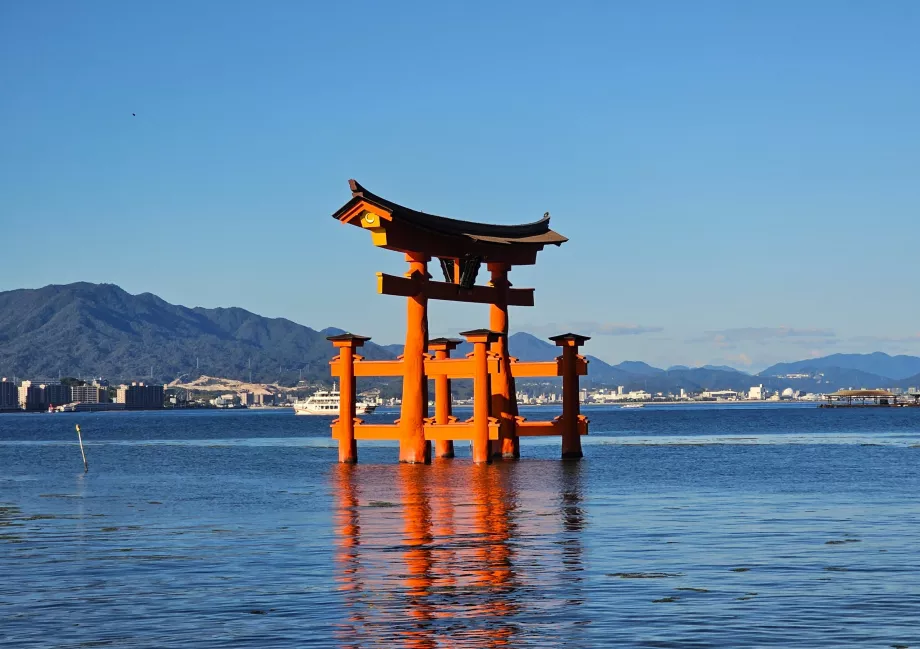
column 570, row 340
column 347, row 340
column 481, row 335
column 444, row 344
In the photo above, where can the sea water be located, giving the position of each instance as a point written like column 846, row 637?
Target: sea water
column 682, row 527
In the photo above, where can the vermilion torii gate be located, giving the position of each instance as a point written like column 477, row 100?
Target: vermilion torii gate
column 461, row 247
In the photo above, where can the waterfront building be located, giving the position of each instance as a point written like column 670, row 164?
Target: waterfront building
column 30, row 396
column 88, row 394
column 718, row 395
column 638, row 395
column 55, row 394
column 756, row 393
column 9, row 395
column 40, row 396
column 138, row 396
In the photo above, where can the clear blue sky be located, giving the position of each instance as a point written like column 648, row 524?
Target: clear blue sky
column 738, row 180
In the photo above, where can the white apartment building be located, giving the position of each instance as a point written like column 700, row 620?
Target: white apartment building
column 756, row 392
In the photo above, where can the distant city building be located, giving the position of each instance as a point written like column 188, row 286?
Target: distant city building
column 56, row 394
column 226, row 401
column 756, row 392
column 40, row 396
column 89, row 394
column 9, row 395
column 636, row 395
column 247, row 398
column 718, row 395
column 138, row 396
column 788, row 393
column 30, row 396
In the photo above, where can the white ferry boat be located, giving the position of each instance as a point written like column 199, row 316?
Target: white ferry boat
column 633, row 405
column 326, row 402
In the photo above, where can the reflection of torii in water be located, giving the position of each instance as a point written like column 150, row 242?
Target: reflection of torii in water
column 426, row 558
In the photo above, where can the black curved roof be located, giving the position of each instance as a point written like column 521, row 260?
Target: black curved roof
column 537, row 232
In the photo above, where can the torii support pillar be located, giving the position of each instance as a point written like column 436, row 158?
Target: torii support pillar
column 347, row 344
column 413, row 447
column 504, row 400
column 480, row 339
column 442, row 347
column 571, row 438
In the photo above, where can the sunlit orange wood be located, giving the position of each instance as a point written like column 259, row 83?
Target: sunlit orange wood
column 571, row 440
column 413, row 447
column 504, row 403
column 442, row 347
column 459, row 368
column 346, row 344
column 482, row 394
column 531, row 369
column 457, row 431
column 465, row 430
column 369, row 368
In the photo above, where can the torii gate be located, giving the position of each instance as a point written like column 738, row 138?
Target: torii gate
column 461, row 247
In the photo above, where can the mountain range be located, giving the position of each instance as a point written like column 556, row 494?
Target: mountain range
column 85, row 329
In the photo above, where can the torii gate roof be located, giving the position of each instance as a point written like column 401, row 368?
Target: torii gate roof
column 400, row 228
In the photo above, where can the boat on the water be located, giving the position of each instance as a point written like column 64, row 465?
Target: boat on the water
column 326, row 402
column 633, row 405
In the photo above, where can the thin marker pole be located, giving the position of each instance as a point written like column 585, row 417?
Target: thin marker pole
column 82, row 452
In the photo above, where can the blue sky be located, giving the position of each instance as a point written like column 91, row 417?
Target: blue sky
column 738, row 180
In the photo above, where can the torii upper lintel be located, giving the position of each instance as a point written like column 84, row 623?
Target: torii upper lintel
column 402, row 229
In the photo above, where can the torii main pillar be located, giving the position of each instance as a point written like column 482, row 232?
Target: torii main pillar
column 413, row 447
column 504, row 401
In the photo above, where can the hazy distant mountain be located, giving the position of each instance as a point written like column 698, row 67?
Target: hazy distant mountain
column 638, row 368
column 99, row 329
column 878, row 363
column 724, row 368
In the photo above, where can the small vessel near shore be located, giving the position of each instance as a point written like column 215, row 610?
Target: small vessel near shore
column 326, row 402
column 633, row 405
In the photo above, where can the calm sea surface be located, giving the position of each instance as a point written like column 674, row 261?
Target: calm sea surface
column 682, row 527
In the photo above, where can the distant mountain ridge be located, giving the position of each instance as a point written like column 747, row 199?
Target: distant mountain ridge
column 878, row 363
column 100, row 329
column 88, row 329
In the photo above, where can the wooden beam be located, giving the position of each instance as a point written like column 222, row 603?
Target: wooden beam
column 462, row 430
column 547, row 428
column 453, row 368
column 521, row 369
column 370, row 431
column 457, row 368
column 408, row 286
column 369, row 368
